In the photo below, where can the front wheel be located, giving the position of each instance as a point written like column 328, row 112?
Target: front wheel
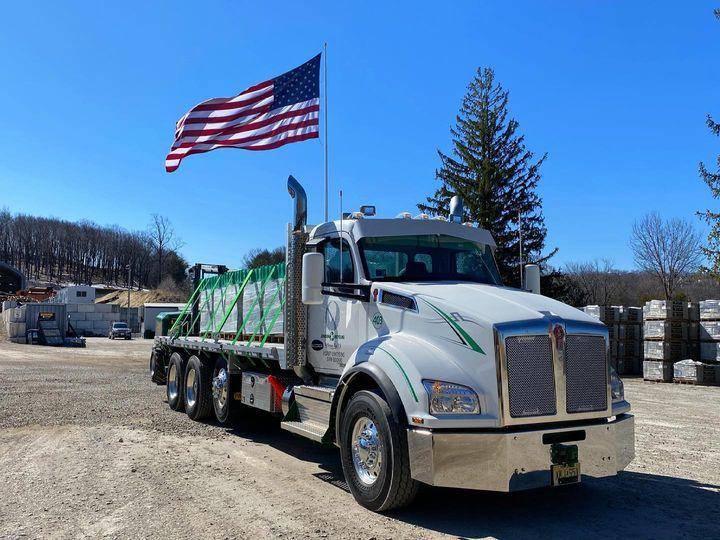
column 374, row 453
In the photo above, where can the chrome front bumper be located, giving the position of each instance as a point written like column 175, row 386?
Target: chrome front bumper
column 519, row 459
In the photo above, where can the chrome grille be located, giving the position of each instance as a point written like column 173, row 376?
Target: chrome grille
column 585, row 374
column 531, row 382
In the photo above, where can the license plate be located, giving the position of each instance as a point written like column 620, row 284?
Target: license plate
column 565, row 474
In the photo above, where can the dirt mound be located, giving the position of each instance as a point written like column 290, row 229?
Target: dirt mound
column 139, row 298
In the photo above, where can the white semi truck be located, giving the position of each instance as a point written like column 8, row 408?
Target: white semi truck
column 401, row 347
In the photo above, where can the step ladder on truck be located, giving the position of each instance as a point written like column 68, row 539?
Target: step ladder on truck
column 395, row 340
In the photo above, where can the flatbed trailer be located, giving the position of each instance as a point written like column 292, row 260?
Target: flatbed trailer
column 394, row 340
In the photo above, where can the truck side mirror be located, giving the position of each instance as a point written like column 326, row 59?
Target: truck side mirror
column 313, row 272
column 532, row 278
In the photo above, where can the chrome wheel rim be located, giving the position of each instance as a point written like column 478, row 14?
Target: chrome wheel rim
column 367, row 450
column 191, row 389
column 172, row 382
column 220, row 388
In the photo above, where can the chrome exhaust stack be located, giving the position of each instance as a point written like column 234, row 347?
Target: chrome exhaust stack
column 295, row 310
column 456, row 209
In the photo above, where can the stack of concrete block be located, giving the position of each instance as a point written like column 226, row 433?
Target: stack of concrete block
column 695, row 372
column 93, row 319
column 666, row 330
column 610, row 317
column 624, row 326
column 709, row 331
column 630, row 341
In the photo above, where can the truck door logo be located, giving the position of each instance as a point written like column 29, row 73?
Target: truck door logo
column 317, row 345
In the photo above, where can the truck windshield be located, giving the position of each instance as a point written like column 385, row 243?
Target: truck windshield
column 427, row 258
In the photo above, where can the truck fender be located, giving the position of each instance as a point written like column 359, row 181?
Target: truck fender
column 350, row 380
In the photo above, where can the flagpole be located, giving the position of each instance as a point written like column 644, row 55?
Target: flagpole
column 326, row 130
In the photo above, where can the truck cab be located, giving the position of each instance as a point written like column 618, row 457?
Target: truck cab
column 402, row 347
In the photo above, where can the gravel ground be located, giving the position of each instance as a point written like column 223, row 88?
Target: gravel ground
column 88, row 448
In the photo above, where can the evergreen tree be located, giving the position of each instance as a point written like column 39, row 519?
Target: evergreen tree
column 496, row 176
column 712, row 179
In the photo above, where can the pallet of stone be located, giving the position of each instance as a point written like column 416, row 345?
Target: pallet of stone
column 665, row 350
column 676, row 310
column 693, row 371
column 622, row 314
column 607, row 314
column 613, row 331
column 629, row 349
column 665, row 330
column 629, row 366
column 658, row 370
column 709, row 310
column 634, row 314
column 709, row 351
column 709, row 330
column 630, row 332
column 694, row 311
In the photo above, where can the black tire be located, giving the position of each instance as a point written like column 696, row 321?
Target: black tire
column 198, row 396
column 176, row 382
column 157, row 369
column 222, row 396
column 393, row 487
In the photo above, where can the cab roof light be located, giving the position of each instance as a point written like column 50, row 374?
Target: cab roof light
column 367, row 210
column 404, row 215
column 422, row 216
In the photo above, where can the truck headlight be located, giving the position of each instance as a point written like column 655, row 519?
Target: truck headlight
column 449, row 398
column 617, row 388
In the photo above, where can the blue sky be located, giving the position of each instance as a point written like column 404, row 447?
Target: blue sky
column 615, row 93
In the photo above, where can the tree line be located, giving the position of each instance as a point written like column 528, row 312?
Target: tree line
column 57, row 250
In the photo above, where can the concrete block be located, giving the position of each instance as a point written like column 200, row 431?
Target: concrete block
column 16, row 330
column 102, row 327
column 93, row 316
column 111, row 317
column 72, row 308
column 83, row 325
column 103, row 308
column 76, row 316
column 86, row 308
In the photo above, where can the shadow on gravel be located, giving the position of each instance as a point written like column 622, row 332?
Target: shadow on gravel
column 630, row 505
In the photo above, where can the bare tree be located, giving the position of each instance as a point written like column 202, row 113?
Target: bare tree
column 670, row 250
column 164, row 240
column 597, row 281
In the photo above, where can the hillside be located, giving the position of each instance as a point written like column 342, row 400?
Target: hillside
column 138, row 298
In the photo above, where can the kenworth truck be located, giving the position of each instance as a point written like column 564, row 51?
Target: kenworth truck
column 400, row 345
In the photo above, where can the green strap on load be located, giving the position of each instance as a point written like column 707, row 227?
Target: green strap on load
column 186, row 308
column 255, row 302
column 272, row 323
column 233, row 304
column 207, row 299
column 264, row 316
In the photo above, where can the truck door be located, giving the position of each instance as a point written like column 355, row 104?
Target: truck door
column 337, row 326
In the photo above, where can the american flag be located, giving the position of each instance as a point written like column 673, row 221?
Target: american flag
column 271, row 114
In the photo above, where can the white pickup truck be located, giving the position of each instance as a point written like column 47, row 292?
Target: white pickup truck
column 401, row 346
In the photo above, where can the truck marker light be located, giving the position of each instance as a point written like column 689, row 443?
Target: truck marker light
column 417, row 420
